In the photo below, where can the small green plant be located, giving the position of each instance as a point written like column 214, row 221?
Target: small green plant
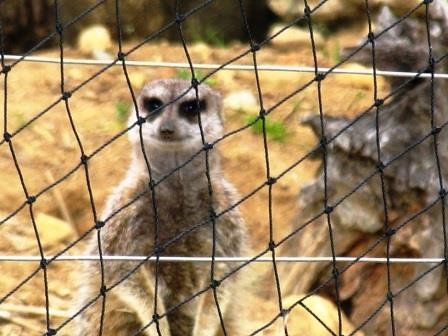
column 275, row 130
column 360, row 95
column 122, row 111
column 336, row 53
column 186, row 74
column 214, row 37
column 324, row 29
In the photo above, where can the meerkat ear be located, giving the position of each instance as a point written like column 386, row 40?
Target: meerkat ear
column 386, row 19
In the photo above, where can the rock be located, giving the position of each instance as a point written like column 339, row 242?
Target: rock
column 398, row 6
column 137, row 79
column 226, row 78
column 301, row 322
column 293, row 37
column 95, row 41
column 338, row 10
column 361, row 81
column 330, row 11
column 202, row 50
column 53, row 230
column 244, row 101
column 102, row 55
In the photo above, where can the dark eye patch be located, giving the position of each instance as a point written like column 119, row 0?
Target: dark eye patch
column 190, row 108
column 152, row 105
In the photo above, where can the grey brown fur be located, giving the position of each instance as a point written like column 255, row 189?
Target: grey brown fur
column 182, row 201
column 411, row 184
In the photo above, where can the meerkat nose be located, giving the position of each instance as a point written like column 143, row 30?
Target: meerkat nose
column 167, row 130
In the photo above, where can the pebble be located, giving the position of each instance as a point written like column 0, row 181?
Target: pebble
column 293, row 37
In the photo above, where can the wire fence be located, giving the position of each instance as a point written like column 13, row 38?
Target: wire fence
column 156, row 256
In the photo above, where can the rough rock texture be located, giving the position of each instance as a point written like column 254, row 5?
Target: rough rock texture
column 337, row 10
column 412, row 184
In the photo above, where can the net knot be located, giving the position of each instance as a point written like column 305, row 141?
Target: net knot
column 141, row 120
column 390, row 296
column 442, row 193
column 435, row 130
column 180, row 18
column 194, row 82
column 371, row 37
column 272, row 245
column 6, row 69
column 158, row 250
column 307, row 11
column 99, row 224
column 262, row 113
column 120, row 56
column 427, row 2
column 66, row 95
column 156, row 318
column 380, row 166
column 214, row 284
column 31, row 199
column 50, row 332
column 271, row 180
column 43, row 263
column 284, row 312
column 7, row 136
column 103, row 290
column 151, row 184
column 379, row 102
column 320, row 77
column 84, row 159
column 212, row 213
column 208, row 146
column 390, row 232
column 323, row 142
column 335, row 273
column 255, row 47
column 59, row 28
column 328, row 209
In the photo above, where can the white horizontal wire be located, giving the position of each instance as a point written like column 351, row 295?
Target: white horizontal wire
column 242, row 67
column 222, row 259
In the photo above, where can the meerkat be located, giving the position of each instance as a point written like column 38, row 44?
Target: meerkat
column 170, row 137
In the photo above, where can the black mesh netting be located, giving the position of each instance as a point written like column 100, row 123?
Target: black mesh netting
column 363, row 147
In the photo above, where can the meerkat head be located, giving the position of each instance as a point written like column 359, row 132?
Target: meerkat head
column 403, row 47
column 172, row 111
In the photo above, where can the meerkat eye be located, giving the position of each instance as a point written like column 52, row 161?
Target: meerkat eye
column 190, row 108
column 152, row 104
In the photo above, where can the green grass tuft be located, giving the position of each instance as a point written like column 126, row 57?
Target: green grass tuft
column 122, row 110
column 275, row 130
column 186, row 74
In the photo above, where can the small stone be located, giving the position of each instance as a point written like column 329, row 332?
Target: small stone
column 303, row 323
column 137, row 79
column 329, row 11
column 95, row 41
column 101, row 55
column 293, row 37
column 53, row 230
column 201, row 50
column 244, row 101
column 361, row 81
column 399, row 7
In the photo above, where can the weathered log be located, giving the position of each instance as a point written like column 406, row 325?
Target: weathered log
column 412, row 192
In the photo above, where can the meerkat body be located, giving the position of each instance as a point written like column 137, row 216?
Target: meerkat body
column 171, row 136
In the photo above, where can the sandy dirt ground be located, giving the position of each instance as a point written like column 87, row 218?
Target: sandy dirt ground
column 46, row 150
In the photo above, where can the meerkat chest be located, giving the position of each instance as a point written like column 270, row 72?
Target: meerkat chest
column 183, row 215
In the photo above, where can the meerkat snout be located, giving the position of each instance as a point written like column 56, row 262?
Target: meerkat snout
column 167, row 130
column 177, row 115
